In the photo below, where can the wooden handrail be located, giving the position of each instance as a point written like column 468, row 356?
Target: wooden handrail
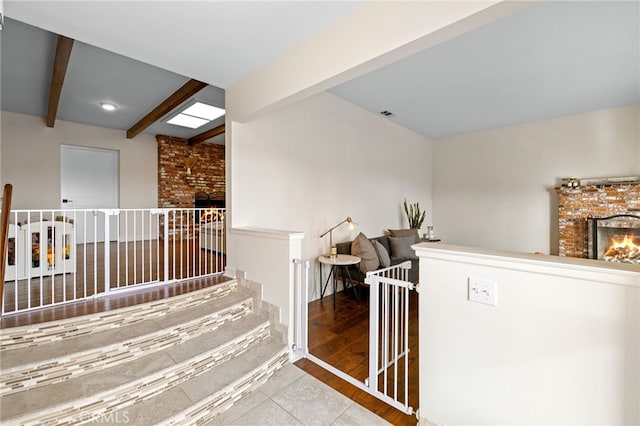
column 4, row 234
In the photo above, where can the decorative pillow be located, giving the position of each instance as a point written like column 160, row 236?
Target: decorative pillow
column 401, row 248
column 383, row 254
column 399, row 233
column 363, row 248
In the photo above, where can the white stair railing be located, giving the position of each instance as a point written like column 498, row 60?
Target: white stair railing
column 59, row 256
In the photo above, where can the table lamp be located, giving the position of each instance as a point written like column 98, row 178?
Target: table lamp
column 352, row 225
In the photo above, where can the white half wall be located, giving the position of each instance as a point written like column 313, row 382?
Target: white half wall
column 267, row 258
column 561, row 347
column 31, row 160
column 494, row 188
column 309, row 166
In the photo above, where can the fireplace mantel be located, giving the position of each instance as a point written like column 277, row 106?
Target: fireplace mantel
column 577, row 204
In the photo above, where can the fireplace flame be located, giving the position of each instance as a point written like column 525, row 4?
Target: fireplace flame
column 211, row 215
column 623, row 250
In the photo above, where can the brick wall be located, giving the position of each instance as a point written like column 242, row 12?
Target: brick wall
column 576, row 204
column 177, row 188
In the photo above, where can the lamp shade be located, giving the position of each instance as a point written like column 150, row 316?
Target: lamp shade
column 351, row 224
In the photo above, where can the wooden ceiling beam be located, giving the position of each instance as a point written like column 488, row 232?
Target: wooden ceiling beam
column 189, row 89
column 218, row 130
column 60, row 63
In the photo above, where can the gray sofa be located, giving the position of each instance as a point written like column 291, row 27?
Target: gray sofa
column 359, row 276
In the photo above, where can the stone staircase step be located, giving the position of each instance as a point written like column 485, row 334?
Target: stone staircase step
column 23, row 368
column 33, row 335
column 200, row 399
column 180, row 360
column 227, row 350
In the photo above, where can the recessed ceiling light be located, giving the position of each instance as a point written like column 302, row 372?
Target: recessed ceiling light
column 196, row 115
column 107, row 106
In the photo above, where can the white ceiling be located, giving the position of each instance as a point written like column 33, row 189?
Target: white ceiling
column 550, row 59
column 93, row 76
column 218, row 42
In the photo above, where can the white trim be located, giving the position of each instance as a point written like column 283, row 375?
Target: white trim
column 559, row 266
column 275, row 234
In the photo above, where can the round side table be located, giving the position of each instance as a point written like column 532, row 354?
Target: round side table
column 337, row 261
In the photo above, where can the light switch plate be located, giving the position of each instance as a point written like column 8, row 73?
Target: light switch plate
column 483, row 291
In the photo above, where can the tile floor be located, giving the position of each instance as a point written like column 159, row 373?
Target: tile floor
column 293, row 397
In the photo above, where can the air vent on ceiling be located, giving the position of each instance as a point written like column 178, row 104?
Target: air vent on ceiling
column 386, row 113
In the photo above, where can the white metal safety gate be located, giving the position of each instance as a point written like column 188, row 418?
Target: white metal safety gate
column 389, row 319
column 60, row 256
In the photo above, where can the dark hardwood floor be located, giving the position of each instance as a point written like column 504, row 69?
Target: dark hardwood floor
column 113, row 301
column 340, row 338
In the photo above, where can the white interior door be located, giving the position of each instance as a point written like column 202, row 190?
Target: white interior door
column 89, row 180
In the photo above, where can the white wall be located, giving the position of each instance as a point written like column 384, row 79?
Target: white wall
column 267, row 258
column 31, row 160
column 308, row 166
column 494, row 188
column 562, row 346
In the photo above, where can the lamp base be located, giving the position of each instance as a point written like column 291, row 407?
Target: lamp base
column 334, row 252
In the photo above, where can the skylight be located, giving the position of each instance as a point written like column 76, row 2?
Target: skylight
column 189, row 121
column 196, row 115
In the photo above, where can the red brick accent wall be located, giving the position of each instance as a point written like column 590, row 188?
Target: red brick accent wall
column 576, row 204
column 177, row 188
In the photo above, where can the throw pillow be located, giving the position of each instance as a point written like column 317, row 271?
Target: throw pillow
column 399, row 233
column 383, row 254
column 362, row 247
column 401, row 248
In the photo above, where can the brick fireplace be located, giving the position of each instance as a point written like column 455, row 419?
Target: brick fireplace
column 178, row 184
column 577, row 202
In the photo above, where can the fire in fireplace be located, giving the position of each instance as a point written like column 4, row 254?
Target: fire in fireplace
column 208, row 207
column 211, row 215
column 615, row 238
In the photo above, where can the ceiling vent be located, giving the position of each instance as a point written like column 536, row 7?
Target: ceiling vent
column 387, row 113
